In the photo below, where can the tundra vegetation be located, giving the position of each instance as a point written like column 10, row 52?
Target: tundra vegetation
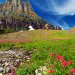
column 54, row 49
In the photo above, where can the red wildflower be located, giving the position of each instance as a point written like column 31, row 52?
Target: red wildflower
column 64, row 64
column 72, row 71
column 70, row 62
column 51, row 71
column 51, row 54
column 52, row 66
column 60, row 58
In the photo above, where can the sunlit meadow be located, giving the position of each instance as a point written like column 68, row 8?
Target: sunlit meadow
column 50, row 48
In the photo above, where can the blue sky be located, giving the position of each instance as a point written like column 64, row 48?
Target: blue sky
column 2, row 1
column 57, row 12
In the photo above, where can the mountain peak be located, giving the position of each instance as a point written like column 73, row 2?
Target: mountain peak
column 17, row 8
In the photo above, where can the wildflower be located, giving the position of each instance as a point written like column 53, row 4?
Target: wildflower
column 51, row 54
column 64, row 64
column 52, row 66
column 70, row 62
column 12, row 72
column 60, row 58
column 51, row 71
column 72, row 71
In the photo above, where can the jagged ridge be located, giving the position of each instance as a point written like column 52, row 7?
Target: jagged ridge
column 16, row 7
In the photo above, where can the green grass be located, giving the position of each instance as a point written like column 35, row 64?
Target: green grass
column 6, row 46
column 43, row 42
column 38, row 35
column 41, row 51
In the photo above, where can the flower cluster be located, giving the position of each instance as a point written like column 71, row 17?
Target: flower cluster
column 60, row 60
column 72, row 71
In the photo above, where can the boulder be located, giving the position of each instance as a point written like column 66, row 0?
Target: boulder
column 8, row 69
column 1, row 69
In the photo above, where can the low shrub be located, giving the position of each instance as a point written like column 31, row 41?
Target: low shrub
column 2, row 31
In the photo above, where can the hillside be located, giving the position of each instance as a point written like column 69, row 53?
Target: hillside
column 36, row 35
column 42, row 49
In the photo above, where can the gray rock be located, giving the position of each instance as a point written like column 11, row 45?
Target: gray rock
column 12, row 58
column 38, row 72
column 6, row 63
column 41, row 71
column 8, row 69
column 18, row 61
column 1, row 74
column 1, row 69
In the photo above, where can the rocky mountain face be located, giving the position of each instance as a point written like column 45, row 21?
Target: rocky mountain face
column 16, row 7
column 16, row 15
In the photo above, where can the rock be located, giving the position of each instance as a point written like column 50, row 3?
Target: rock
column 6, row 63
column 27, row 58
column 30, row 52
column 1, row 69
column 19, row 61
column 1, row 74
column 8, row 69
column 38, row 72
column 3, row 60
column 0, row 64
column 9, row 60
column 0, row 61
column 42, row 70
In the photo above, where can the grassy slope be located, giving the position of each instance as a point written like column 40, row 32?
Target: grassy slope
column 39, row 35
column 43, row 42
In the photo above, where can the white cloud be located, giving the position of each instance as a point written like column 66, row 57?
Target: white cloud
column 67, row 9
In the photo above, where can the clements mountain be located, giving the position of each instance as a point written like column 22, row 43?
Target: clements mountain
column 16, row 7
